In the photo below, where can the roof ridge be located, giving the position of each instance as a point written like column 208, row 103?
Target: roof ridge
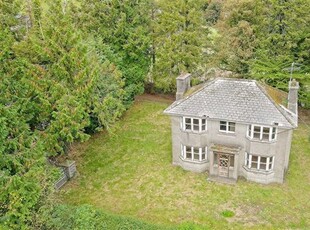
column 274, row 103
column 236, row 79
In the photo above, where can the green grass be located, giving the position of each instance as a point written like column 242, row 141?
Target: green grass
column 129, row 172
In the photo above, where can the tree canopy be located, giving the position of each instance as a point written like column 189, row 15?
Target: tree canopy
column 71, row 68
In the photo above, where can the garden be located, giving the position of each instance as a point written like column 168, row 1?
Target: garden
column 128, row 172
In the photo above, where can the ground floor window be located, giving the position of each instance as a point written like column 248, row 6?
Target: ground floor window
column 193, row 153
column 259, row 162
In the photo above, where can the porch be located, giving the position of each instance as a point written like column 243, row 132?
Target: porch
column 224, row 163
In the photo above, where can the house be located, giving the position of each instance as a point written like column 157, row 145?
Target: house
column 233, row 128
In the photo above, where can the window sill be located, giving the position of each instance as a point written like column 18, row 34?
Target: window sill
column 261, row 141
column 258, row 171
column 232, row 134
column 194, row 162
column 193, row 132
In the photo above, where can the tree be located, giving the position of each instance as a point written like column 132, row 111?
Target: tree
column 283, row 39
column 180, row 35
column 24, row 175
column 122, row 28
column 236, row 43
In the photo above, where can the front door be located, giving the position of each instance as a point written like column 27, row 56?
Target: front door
column 223, row 164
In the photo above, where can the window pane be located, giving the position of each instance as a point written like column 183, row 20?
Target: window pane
column 188, row 124
column 266, row 133
column 249, row 131
column 254, row 165
column 204, row 156
column 196, row 156
column 263, row 159
column 196, row 121
column 231, row 127
column 196, row 150
column 273, row 135
column 196, row 127
column 257, row 129
column 254, row 158
column 203, row 121
column 203, row 127
column 223, row 122
column 270, row 163
column 256, row 132
column 262, row 166
column 266, row 130
column 223, row 127
column 188, row 155
column 265, row 136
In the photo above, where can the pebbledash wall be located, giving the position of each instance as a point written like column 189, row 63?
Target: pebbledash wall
column 279, row 148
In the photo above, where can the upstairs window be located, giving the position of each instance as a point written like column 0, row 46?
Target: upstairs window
column 194, row 124
column 259, row 162
column 190, row 153
column 263, row 133
column 228, row 127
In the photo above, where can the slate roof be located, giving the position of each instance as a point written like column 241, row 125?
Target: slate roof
column 239, row 100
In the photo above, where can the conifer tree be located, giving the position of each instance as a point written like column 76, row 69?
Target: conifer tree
column 122, row 28
column 180, row 35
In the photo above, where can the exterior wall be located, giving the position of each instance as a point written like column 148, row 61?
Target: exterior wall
column 288, row 148
column 196, row 140
column 280, row 149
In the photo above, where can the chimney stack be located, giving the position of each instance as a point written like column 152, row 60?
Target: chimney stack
column 293, row 96
column 183, row 84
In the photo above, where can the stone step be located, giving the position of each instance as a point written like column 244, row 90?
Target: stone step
column 223, row 180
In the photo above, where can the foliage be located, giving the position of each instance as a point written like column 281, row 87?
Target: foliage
column 236, row 44
column 87, row 217
column 54, row 87
column 124, row 27
column 213, row 11
column 180, row 37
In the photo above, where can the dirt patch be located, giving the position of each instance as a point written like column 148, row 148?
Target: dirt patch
column 245, row 214
column 156, row 97
column 304, row 115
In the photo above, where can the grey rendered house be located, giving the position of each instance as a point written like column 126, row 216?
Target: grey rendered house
column 233, row 128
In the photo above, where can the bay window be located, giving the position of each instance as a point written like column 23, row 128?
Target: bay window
column 194, row 124
column 193, row 153
column 257, row 162
column 263, row 133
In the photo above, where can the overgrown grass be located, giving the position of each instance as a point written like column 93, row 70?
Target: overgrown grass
column 129, row 172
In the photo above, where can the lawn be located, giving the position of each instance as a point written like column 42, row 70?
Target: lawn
column 129, row 172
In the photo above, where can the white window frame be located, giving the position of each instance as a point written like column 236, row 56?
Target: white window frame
column 272, row 132
column 192, row 123
column 227, row 124
column 201, row 151
column 269, row 162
